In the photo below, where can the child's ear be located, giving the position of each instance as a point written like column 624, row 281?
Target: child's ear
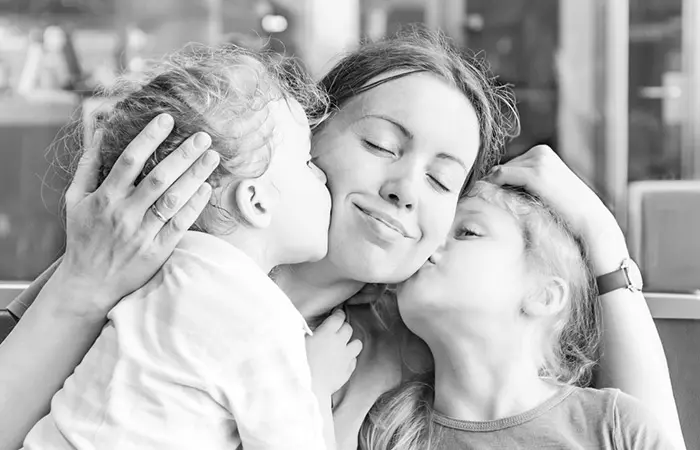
column 254, row 199
column 549, row 300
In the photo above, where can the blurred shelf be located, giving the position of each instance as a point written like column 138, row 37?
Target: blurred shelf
column 673, row 306
column 56, row 108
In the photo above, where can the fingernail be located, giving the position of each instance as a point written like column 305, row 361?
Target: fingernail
column 165, row 120
column 202, row 140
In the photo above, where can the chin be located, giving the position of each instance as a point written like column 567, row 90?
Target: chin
column 369, row 264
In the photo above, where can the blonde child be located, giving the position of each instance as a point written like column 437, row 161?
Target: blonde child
column 508, row 308
column 210, row 353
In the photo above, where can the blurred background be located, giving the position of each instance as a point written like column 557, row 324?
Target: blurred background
column 612, row 85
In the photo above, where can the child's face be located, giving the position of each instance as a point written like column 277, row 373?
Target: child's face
column 302, row 214
column 479, row 271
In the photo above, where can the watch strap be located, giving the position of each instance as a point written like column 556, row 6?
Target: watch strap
column 613, row 281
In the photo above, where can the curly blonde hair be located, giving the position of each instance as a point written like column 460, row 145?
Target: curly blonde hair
column 211, row 90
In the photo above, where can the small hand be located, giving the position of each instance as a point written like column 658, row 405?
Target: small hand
column 115, row 242
column 332, row 357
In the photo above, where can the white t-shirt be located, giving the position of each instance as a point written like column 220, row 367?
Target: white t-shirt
column 209, row 354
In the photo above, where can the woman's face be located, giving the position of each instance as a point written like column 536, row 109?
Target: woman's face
column 396, row 158
column 479, row 273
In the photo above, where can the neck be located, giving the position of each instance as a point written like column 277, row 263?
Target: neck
column 315, row 288
column 488, row 376
column 253, row 245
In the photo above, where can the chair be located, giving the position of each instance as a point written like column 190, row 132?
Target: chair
column 8, row 291
column 664, row 235
column 664, row 232
column 7, row 324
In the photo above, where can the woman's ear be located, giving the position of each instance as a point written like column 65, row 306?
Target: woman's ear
column 254, row 199
column 549, row 300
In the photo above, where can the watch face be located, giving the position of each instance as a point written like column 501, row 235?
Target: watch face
column 635, row 275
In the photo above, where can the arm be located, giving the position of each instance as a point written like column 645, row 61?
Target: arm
column 637, row 428
column 114, row 245
column 633, row 358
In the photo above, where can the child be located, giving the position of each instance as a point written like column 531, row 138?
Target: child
column 509, row 311
column 210, row 353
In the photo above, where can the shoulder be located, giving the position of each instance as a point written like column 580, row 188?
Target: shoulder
column 635, row 426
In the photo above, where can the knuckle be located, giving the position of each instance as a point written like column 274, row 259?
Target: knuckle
column 188, row 150
column 102, row 201
column 121, row 224
column 177, row 224
column 169, row 201
column 128, row 159
column 156, row 179
column 151, row 133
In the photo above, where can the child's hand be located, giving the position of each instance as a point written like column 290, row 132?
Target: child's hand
column 332, row 358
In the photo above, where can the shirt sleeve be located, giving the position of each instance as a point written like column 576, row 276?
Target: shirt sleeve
column 637, row 428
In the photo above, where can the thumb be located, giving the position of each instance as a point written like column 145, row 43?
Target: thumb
column 85, row 178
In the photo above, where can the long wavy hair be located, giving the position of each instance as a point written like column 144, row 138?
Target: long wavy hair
column 402, row 419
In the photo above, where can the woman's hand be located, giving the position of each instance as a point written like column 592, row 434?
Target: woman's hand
column 115, row 241
column 541, row 172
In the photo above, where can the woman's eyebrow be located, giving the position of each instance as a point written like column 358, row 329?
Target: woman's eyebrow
column 394, row 122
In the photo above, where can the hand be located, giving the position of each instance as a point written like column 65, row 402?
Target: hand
column 332, row 358
column 541, row 172
column 115, row 243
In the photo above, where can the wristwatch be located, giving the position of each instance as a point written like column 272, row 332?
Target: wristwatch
column 628, row 276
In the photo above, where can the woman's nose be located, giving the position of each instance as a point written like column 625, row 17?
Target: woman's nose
column 400, row 192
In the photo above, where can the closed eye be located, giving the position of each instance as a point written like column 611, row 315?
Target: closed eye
column 377, row 148
column 465, row 232
column 438, row 185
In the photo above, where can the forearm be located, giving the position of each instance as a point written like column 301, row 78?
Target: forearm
column 633, row 358
column 37, row 357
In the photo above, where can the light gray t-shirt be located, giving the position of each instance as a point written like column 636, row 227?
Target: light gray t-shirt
column 575, row 418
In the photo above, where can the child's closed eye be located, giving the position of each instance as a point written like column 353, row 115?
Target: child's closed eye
column 466, row 232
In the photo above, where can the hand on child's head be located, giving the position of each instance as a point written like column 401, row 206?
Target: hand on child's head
column 332, row 357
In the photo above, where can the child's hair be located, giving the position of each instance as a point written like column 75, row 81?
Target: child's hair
column 402, row 419
column 210, row 90
column 418, row 49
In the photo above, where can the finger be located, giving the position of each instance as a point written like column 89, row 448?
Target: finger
column 354, row 348
column 531, row 156
column 175, row 229
column 352, row 366
column 511, row 175
column 85, row 178
column 185, row 162
column 134, row 157
column 345, row 332
column 334, row 321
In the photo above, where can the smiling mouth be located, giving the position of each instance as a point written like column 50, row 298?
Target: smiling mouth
column 382, row 221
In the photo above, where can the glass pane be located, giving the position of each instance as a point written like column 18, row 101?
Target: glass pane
column 655, row 89
column 519, row 39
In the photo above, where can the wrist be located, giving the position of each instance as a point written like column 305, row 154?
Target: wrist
column 74, row 295
column 606, row 246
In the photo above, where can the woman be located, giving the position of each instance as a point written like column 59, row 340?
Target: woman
column 414, row 125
